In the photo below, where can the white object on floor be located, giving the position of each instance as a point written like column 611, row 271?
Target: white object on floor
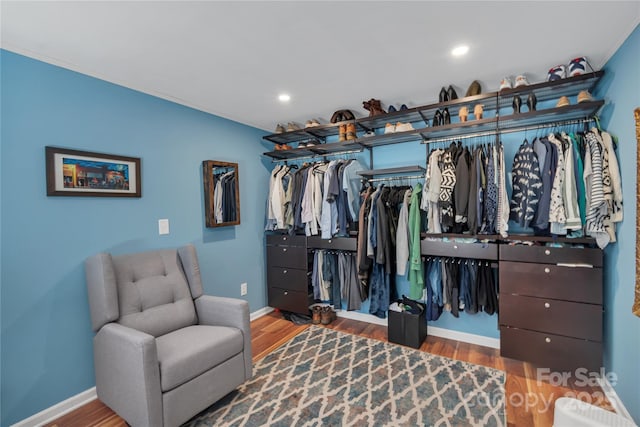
column 570, row 412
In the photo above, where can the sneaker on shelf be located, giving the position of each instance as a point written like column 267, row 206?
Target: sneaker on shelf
column 505, row 83
column 314, row 122
column 308, row 124
column 556, row 73
column 584, row 96
column 403, row 127
column 563, row 102
column 285, row 147
column 404, row 107
column 389, row 128
column 521, row 80
column 392, row 109
column 311, row 144
column 368, row 134
column 279, row 128
column 292, row 127
column 302, row 145
column 277, row 147
column 577, row 66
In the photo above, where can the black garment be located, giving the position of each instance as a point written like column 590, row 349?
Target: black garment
column 461, row 191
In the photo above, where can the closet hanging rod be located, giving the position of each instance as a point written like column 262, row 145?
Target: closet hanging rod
column 313, row 156
column 508, row 130
column 394, row 178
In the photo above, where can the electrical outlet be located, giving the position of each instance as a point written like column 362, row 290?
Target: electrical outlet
column 243, row 289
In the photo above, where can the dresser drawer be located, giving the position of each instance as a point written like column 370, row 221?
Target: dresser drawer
column 549, row 255
column 288, row 300
column 578, row 284
column 462, row 250
column 336, row 243
column 286, row 240
column 550, row 351
column 565, row 318
column 287, row 278
column 287, row 256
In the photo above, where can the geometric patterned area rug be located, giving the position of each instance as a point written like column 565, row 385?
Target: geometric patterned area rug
column 323, row 377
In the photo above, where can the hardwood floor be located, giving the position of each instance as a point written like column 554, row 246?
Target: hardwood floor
column 529, row 402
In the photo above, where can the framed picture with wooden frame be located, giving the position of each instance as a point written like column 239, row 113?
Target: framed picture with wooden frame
column 84, row 173
column 221, row 193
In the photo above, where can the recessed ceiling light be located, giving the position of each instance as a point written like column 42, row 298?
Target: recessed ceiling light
column 460, row 50
column 283, row 97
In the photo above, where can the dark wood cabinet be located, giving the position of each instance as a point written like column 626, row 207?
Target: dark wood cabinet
column 289, row 268
column 551, row 306
column 288, row 286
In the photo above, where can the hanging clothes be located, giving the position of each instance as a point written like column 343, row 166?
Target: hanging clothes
column 526, row 185
column 416, row 274
column 402, row 235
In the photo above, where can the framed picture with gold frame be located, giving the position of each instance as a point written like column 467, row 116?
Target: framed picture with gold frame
column 636, row 301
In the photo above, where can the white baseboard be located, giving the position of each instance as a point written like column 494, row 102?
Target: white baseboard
column 260, row 312
column 613, row 397
column 431, row 330
column 56, row 411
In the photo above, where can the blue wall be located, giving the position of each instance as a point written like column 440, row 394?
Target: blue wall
column 47, row 353
column 621, row 89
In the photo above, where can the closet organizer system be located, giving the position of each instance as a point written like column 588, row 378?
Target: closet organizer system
column 550, row 288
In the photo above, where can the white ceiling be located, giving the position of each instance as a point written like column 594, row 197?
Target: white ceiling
column 232, row 59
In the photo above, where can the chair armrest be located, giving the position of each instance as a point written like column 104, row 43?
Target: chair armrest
column 232, row 312
column 128, row 374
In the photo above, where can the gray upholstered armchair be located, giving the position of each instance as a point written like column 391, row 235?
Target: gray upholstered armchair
column 163, row 351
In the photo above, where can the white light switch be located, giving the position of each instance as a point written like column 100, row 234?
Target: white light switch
column 163, row 226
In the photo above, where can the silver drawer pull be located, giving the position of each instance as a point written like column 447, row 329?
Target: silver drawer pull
column 547, row 339
column 284, row 271
column 455, row 246
column 287, row 293
column 546, row 270
column 547, row 305
column 329, row 241
column 284, row 238
column 284, row 249
column 547, row 252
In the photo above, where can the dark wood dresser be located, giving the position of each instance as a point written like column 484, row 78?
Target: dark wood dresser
column 288, row 286
column 551, row 306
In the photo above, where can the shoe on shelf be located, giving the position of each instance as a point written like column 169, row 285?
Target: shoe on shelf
column 404, row 127
column 463, row 113
column 437, row 118
column 342, row 133
column 279, row 128
column 474, row 89
column 285, row 147
column 556, row 73
column 368, row 134
column 446, row 118
column 314, row 123
column 311, row 144
column 584, row 96
column 392, row 109
column 478, row 111
column 563, row 102
column 577, row 66
column 351, row 131
column 443, row 97
column 517, row 103
column 347, row 115
column 521, row 80
column 532, row 101
column 302, row 145
column 505, row 83
column 451, row 93
column 292, row 127
column 404, row 107
column 389, row 128
column 277, row 147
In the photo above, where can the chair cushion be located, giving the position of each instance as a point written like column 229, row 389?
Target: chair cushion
column 153, row 294
column 188, row 352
